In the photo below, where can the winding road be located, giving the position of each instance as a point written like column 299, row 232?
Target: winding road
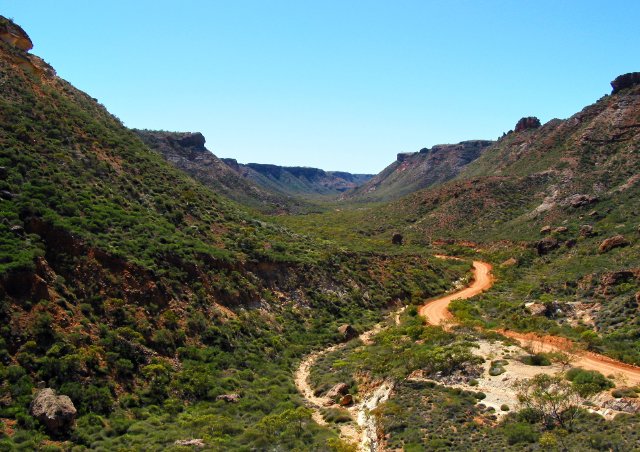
column 437, row 312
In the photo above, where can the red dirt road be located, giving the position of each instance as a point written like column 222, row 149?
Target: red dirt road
column 437, row 311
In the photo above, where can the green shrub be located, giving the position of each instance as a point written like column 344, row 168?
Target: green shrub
column 624, row 392
column 588, row 382
column 538, row 359
column 520, row 433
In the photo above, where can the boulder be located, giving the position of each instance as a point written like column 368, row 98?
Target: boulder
column 337, row 391
column 509, row 262
column 612, row 242
column 586, row 230
column 546, row 245
column 55, row 412
column 347, row 332
column 230, row 398
column 625, row 81
column 545, row 230
column 559, row 230
column 346, row 400
column 528, row 123
column 593, row 213
column 397, row 239
column 536, row 309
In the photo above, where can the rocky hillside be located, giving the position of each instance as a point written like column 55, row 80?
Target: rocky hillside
column 298, row 181
column 414, row 171
column 582, row 169
column 132, row 295
column 187, row 152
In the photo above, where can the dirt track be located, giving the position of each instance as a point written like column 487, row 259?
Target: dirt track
column 437, row 311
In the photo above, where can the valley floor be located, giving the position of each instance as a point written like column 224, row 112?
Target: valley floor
column 498, row 390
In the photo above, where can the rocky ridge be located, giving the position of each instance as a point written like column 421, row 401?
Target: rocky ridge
column 418, row 170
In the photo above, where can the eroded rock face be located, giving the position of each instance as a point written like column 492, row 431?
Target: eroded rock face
column 616, row 241
column 56, row 413
column 625, row 81
column 528, row 123
column 14, row 35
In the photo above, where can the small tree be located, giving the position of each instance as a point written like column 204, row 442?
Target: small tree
column 553, row 398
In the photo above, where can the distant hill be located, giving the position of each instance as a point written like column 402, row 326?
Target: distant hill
column 414, row 171
column 298, row 181
column 187, row 151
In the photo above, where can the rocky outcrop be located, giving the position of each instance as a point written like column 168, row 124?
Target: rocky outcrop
column 579, row 200
column 14, row 35
column 528, row 123
column 55, row 412
column 192, row 140
column 616, row 241
column 397, row 239
column 413, row 171
column 347, row 332
column 625, row 81
column 625, row 404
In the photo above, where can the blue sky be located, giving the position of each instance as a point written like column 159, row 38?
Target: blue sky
column 339, row 85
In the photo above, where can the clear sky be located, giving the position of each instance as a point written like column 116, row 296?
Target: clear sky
column 339, row 85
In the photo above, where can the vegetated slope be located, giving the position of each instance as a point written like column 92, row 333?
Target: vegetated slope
column 298, row 181
column 560, row 171
column 187, row 152
column 144, row 295
column 414, row 171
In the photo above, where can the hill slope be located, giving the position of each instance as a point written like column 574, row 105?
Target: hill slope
column 414, row 171
column 187, row 152
column 298, row 181
column 144, row 296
